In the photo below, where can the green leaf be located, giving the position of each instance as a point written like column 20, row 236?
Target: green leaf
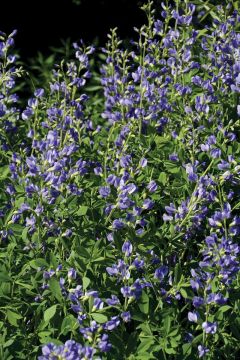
column 13, row 317
column 86, row 281
column 187, row 348
column 167, row 324
column 170, row 351
column 4, row 277
column 25, row 234
column 93, row 87
column 55, row 289
column 26, row 286
column 145, row 344
column 37, row 263
column 8, row 343
column 82, row 252
column 99, row 318
column 177, row 273
column 186, row 293
column 82, row 210
column 4, row 171
column 146, row 329
column 221, row 311
column 144, row 303
column 172, row 167
column 49, row 313
column 163, row 178
column 69, row 323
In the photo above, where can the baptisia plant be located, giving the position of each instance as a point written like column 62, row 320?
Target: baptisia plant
column 120, row 199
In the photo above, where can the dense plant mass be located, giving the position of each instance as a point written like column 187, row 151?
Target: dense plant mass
column 119, row 201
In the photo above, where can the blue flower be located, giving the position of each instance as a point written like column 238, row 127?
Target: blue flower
column 39, row 93
column 173, row 157
column 72, row 274
column 113, row 301
column 103, row 343
column 202, row 350
column 209, row 327
column 197, row 301
column 118, row 224
column 193, row 316
column 148, row 204
column 215, row 153
column 27, row 113
column 104, row 191
column 127, row 248
column 126, row 316
column 161, row 272
column 112, row 324
column 152, row 186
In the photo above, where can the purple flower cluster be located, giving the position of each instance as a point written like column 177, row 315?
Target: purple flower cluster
column 70, row 350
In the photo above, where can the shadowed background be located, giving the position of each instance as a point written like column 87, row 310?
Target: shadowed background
column 41, row 24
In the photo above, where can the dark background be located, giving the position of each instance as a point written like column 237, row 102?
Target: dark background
column 43, row 23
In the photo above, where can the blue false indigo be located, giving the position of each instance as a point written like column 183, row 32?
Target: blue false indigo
column 238, row 110
column 173, row 157
column 192, row 176
column 193, row 316
column 59, row 268
column 39, row 93
column 31, row 221
column 138, row 263
column 170, row 209
column 139, row 231
column 104, row 191
column 113, row 301
column 161, row 272
column 136, row 76
column 97, row 304
column 148, row 204
column 125, row 161
column 202, row 351
column 15, row 218
column 33, row 103
column 226, row 213
column 24, row 207
column 143, row 162
column 205, row 147
column 197, row 301
column 223, row 165
column 67, row 233
column 27, row 114
column 110, row 237
column 126, row 316
column 152, row 186
column 195, row 284
column 118, row 224
column 2, row 110
column 167, row 217
column 108, row 209
column 127, row 248
column 112, row 324
column 209, row 327
column 103, row 344
column 113, row 271
column 126, row 291
column 98, row 170
column 215, row 153
column 48, row 274
column 72, row 274
column 216, row 298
